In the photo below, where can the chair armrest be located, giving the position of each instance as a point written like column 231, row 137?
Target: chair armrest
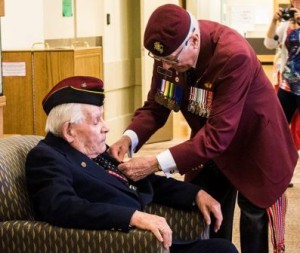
column 41, row 237
column 186, row 225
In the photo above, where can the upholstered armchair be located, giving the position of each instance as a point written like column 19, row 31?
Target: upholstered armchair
column 20, row 232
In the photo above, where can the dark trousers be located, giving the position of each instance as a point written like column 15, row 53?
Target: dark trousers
column 289, row 102
column 213, row 182
column 253, row 227
column 253, row 220
column 204, row 246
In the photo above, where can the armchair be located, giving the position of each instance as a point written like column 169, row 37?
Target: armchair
column 20, row 232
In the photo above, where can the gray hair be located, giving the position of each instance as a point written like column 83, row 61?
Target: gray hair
column 70, row 112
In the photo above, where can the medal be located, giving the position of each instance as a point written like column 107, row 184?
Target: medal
column 176, row 108
column 171, row 104
column 158, row 97
column 200, row 101
column 169, row 95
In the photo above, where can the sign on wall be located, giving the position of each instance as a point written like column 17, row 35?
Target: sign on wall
column 249, row 19
column 241, row 17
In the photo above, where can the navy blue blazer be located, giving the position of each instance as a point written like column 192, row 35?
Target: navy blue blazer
column 68, row 189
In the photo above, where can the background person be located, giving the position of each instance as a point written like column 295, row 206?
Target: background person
column 284, row 33
column 73, row 182
column 240, row 138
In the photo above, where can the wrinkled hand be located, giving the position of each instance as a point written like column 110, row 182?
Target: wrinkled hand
column 207, row 204
column 139, row 167
column 156, row 224
column 120, row 148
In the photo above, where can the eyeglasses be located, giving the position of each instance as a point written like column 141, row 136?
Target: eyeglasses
column 173, row 61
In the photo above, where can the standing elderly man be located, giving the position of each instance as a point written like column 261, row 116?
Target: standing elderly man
column 73, row 182
column 239, row 135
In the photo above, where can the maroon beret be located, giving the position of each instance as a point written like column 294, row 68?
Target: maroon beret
column 75, row 89
column 166, row 29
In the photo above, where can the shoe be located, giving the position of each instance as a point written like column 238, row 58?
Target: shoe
column 291, row 185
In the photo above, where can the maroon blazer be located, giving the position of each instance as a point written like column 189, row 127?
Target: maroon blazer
column 246, row 134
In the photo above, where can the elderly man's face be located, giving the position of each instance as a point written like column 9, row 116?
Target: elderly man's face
column 185, row 57
column 89, row 136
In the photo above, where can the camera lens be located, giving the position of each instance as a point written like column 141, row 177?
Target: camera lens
column 287, row 14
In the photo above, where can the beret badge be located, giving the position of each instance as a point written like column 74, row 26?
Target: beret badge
column 158, row 47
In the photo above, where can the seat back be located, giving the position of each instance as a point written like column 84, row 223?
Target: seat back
column 15, row 204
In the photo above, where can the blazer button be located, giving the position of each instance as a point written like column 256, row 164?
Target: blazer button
column 83, row 164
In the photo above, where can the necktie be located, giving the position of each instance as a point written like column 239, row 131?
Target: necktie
column 110, row 165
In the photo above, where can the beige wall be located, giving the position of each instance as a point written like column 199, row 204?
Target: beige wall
column 122, row 65
column 127, row 68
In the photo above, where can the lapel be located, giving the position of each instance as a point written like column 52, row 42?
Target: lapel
column 81, row 162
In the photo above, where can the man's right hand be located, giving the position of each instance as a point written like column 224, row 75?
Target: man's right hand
column 120, row 148
column 156, row 224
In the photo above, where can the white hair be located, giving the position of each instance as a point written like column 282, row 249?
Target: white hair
column 194, row 28
column 194, row 24
column 70, row 112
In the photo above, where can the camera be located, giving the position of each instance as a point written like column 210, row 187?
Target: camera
column 287, row 14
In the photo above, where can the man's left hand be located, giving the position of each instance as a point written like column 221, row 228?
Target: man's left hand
column 207, row 205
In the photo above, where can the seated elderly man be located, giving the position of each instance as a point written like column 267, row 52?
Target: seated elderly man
column 73, row 182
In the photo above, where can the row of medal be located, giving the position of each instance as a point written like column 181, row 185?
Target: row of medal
column 200, row 101
column 169, row 95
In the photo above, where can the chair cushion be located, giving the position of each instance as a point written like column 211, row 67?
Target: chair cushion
column 13, row 192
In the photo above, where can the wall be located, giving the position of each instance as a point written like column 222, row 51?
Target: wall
column 87, row 19
column 127, row 68
column 90, row 18
column 250, row 18
column 121, row 42
column 203, row 9
column 22, row 24
column 31, row 21
column 56, row 26
column 28, row 22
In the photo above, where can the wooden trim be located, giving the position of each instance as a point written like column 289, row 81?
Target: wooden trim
column 266, row 58
column 2, row 8
column 2, row 101
column 2, row 104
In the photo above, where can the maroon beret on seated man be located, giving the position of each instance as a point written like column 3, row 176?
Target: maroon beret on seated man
column 75, row 89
